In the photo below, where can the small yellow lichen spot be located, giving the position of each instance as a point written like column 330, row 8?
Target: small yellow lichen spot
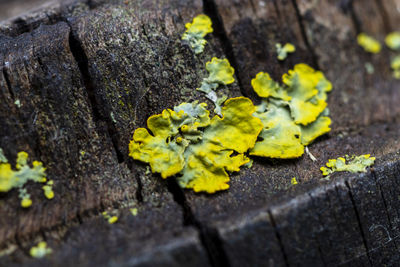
column 10, row 179
column 196, row 31
column 283, row 51
column 369, row 43
column 392, row 40
column 112, row 219
column 26, row 202
column 134, row 211
column 396, row 74
column 48, row 190
column 220, row 71
column 293, row 181
column 395, row 63
column 18, row 103
column 40, row 251
column 6, row 177
column 351, row 164
column 201, row 24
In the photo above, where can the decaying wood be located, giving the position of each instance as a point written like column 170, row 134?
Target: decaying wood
column 88, row 73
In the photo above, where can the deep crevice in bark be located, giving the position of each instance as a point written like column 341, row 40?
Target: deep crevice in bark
column 139, row 190
column 20, row 246
column 8, row 83
column 320, row 220
column 210, row 9
column 304, row 34
column 384, row 15
column 279, row 238
column 83, row 65
column 359, row 222
column 22, row 26
column 348, row 8
column 373, row 173
column 209, row 236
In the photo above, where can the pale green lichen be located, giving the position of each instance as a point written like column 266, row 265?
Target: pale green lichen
column 392, row 40
column 369, row 68
column 283, row 51
column 369, row 43
column 10, row 179
column 293, row 115
column 134, row 211
column 40, row 251
column 201, row 150
column 3, row 158
column 196, row 31
column 351, row 164
column 220, row 73
column 17, row 102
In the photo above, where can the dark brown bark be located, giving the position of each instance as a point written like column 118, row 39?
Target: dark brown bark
column 88, row 73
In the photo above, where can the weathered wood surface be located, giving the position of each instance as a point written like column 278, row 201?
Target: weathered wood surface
column 88, row 73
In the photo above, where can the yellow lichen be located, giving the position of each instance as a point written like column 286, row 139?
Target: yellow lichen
column 347, row 163
column 315, row 129
column 208, row 161
column 10, row 179
column 196, row 31
column 293, row 181
column 26, row 202
column 293, row 116
column 164, row 149
column 220, row 73
column 40, row 251
column 392, row 40
column 308, row 89
column 206, row 153
column 395, row 65
column 283, row 51
column 369, row 43
column 48, row 190
column 281, row 136
column 110, row 219
column 134, row 211
column 265, row 87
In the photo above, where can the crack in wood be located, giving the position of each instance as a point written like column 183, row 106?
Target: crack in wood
column 348, row 8
column 306, row 40
column 279, row 238
column 373, row 173
column 359, row 222
column 8, row 83
column 209, row 236
column 210, row 9
column 83, row 66
column 384, row 15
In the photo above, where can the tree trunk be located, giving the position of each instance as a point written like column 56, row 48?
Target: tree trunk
column 88, row 73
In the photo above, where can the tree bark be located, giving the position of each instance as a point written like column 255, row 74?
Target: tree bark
column 88, row 73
